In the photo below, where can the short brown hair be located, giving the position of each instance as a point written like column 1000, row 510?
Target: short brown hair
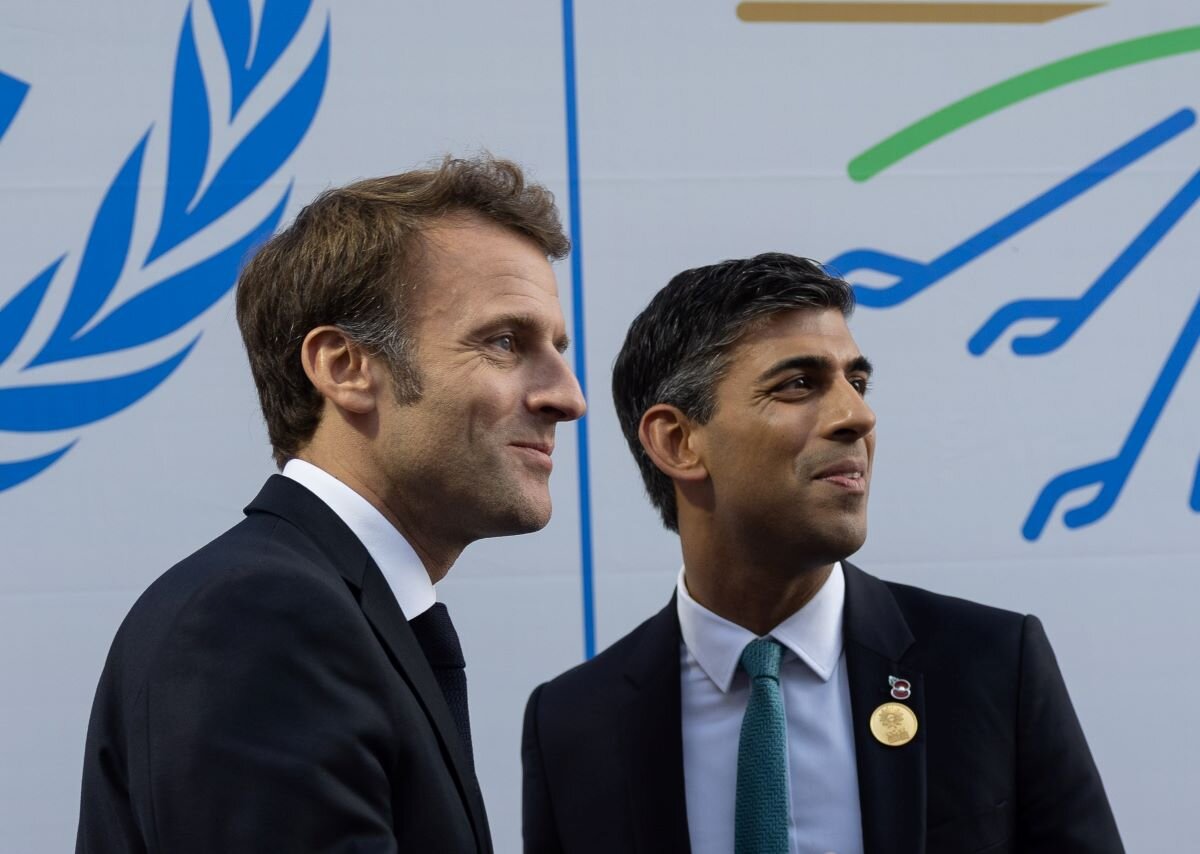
column 350, row 260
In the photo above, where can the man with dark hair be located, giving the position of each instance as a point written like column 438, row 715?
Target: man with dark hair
column 293, row 685
column 784, row 700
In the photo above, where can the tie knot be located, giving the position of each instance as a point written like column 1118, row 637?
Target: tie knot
column 761, row 658
column 437, row 637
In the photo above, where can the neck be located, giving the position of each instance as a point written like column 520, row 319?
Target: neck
column 740, row 597
column 741, row 583
column 437, row 553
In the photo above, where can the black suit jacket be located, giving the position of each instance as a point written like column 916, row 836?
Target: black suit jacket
column 999, row 763
column 267, row 695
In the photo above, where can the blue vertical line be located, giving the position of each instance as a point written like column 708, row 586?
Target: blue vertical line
column 581, row 427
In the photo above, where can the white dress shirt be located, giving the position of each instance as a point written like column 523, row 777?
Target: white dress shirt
column 822, row 775
column 403, row 570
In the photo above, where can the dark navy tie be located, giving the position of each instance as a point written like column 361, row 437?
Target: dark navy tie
column 435, row 632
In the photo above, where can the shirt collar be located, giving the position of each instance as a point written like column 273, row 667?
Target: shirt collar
column 403, row 570
column 813, row 634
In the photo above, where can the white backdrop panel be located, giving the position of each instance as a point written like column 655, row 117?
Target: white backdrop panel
column 701, row 137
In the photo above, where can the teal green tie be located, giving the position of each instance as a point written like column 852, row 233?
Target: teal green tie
column 760, row 823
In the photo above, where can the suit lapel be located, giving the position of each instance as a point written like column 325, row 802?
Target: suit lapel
column 652, row 738
column 288, row 499
column 891, row 780
column 385, row 616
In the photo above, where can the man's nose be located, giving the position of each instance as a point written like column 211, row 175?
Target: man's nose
column 559, row 394
column 848, row 416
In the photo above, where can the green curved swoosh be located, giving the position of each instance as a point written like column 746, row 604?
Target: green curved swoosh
column 1008, row 92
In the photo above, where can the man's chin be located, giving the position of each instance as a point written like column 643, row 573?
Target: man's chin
column 842, row 541
column 523, row 516
column 852, row 543
column 533, row 517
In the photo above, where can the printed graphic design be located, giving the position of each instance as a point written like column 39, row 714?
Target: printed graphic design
column 901, row 12
column 12, row 93
column 197, row 192
column 1069, row 313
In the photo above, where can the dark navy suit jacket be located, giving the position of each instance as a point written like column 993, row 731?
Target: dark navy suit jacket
column 267, row 695
column 999, row 763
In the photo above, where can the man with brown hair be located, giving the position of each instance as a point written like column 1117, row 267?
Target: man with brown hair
column 293, row 685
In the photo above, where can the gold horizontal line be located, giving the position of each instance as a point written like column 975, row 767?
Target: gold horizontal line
column 908, row 12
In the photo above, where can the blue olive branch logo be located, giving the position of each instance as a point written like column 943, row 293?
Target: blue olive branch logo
column 189, row 207
column 12, row 93
column 910, row 277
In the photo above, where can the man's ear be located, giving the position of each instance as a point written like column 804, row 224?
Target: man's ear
column 671, row 441
column 339, row 369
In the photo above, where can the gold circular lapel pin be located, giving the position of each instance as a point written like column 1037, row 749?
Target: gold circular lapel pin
column 893, row 724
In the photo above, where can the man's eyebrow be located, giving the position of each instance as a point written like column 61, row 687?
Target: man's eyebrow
column 526, row 323
column 860, row 365
column 815, row 364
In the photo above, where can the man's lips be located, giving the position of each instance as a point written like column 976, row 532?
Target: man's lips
column 537, row 452
column 845, row 474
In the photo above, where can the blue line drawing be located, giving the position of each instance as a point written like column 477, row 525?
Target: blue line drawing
column 915, row 276
column 1195, row 501
column 578, row 329
column 1068, row 314
column 12, row 94
column 1071, row 314
column 1111, row 474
